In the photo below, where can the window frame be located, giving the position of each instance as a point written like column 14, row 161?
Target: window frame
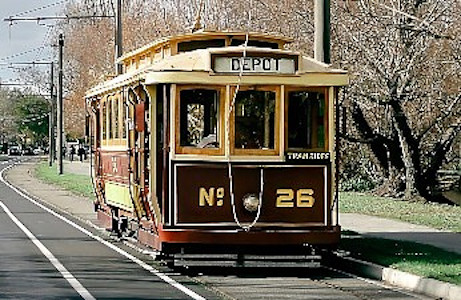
column 220, row 121
column 326, row 117
column 113, row 135
column 277, row 117
column 103, row 121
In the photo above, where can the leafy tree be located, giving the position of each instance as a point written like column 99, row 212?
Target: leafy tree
column 31, row 114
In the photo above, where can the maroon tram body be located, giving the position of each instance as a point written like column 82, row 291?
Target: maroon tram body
column 204, row 145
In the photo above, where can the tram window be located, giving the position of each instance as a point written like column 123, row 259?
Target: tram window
column 194, row 45
column 104, row 120
column 116, row 117
column 109, row 118
column 306, row 120
column 199, row 118
column 124, row 118
column 254, row 120
column 253, row 43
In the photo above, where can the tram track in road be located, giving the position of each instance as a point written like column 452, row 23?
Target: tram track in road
column 288, row 283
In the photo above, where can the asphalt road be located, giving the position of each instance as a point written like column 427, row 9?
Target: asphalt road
column 44, row 257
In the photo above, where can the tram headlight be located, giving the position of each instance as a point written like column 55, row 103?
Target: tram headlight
column 251, row 202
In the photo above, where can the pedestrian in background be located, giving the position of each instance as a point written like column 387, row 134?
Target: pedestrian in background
column 72, row 152
column 81, row 153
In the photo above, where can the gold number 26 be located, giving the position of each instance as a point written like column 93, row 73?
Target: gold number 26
column 286, row 198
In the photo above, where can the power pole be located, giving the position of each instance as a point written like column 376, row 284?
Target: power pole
column 51, row 142
column 322, row 31
column 118, row 37
column 59, row 108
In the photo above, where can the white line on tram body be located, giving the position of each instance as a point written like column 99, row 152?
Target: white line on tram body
column 53, row 260
column 145, row 266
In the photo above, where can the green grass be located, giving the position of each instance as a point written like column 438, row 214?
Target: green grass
column 75, row 183
column 440, row 216
column 419, row 259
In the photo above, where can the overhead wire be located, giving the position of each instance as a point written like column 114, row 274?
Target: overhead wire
column 45, row 40
column 22, row 53
column 40, row 8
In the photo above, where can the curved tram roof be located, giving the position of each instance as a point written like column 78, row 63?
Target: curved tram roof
column 161, row 62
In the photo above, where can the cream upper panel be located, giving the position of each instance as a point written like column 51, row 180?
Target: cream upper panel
column 196, row 67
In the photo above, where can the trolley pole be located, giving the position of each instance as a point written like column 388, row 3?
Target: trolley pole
column 59, row 108
column 118, row 37
column 322, row 31
column 51, row 142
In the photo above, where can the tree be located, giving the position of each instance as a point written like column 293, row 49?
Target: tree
column 403, row 57
column 31, row 117
column 7, row 125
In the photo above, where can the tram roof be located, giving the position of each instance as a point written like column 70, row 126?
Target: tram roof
column 195, row 67
column 203, row 35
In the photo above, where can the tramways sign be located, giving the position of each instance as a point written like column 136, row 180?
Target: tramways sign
column 255, row 64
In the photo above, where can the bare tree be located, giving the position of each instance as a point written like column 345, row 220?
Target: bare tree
column 403, row 56
column 405, row 96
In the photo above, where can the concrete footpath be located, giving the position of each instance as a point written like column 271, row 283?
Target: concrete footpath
column 23, row 176
column 398, row 230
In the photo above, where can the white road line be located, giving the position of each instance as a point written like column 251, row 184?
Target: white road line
column 147, row 267
column 78, row 287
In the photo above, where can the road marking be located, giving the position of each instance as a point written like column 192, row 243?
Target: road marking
column 78, row 287
column 120, row 251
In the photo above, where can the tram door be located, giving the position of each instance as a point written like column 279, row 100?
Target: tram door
column 139, row 153
column 93, row 132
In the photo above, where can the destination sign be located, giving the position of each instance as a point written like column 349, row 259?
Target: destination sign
column 255, row 65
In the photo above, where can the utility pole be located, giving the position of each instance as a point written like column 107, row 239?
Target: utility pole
column 51, row 142
column 118, row 37
column 59, row 108
column 322, row 31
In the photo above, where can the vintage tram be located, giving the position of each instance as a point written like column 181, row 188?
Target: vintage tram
column 218, row 143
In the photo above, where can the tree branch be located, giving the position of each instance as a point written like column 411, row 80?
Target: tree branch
column 441, row 118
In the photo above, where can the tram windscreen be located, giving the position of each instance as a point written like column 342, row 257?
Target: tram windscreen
column 254, row 120
column 306, row 120
column 199, row 118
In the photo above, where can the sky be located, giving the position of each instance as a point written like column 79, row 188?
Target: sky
column 25, row 36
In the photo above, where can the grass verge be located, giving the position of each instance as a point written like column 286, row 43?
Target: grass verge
column 440, row 216
column 415, row 258
column 75, row 183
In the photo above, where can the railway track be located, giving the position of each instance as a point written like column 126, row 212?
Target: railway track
column 288, row 283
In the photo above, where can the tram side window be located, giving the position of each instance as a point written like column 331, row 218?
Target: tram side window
column 104, row 120
column 109, row 118
column 306, row 120
column 254, row 120
column 124, row 117
column 199, row 114
column 116, row 117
